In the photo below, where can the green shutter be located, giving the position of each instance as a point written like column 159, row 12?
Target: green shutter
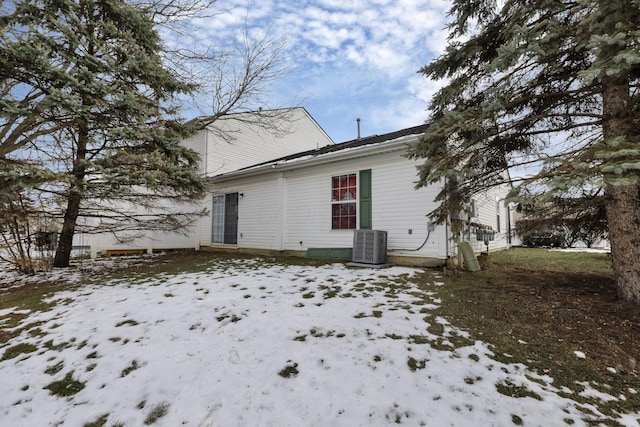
column 365, row 199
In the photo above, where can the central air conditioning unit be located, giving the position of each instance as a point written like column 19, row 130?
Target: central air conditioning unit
column 370, row 246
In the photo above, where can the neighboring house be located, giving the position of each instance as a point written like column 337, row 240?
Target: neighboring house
column 240, row 140
column 227, row 144
column 312, row 201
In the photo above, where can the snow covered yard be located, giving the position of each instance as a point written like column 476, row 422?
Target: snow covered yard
column 251, row 342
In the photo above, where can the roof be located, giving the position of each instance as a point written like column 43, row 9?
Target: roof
column 358, row 142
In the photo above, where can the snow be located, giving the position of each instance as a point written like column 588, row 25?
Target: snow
column 11, row 279
column 599, row 250
column 254, row 343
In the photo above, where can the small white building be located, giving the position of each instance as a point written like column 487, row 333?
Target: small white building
column 311, row 202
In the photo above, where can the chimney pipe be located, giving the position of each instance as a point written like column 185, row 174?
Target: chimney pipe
column 358, row 121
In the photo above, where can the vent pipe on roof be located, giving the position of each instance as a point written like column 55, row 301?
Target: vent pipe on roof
column 358, row 121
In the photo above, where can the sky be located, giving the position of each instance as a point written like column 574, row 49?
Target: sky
column 250, row 342
column 346, row 59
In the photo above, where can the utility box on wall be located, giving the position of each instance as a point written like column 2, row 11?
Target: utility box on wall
column 370, row 246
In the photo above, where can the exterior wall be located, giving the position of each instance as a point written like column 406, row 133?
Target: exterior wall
column 228, row 144
column 197, row 143
column 488, row 206
column 257, row 214
column 403, row 211
column 146, row 241
column 106, row 243
column 396, row 206
column 291, row 211
column 232, row 144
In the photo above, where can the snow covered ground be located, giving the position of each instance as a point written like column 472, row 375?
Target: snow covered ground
column 255, row 343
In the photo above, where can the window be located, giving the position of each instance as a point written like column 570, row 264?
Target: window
column 343, row 202
column 473, row 209
column 498, row 213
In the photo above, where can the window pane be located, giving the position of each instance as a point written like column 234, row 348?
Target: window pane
column 217, row 232
column 343, row 216
column 343, row 187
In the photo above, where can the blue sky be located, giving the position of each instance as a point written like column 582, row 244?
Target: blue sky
column 346, row 58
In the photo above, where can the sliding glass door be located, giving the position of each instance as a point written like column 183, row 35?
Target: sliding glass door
column 225, row 219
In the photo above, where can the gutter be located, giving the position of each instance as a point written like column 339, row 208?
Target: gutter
column 314, row 160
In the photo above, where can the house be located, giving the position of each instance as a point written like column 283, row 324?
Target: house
column 225, row 144
column 310, row 202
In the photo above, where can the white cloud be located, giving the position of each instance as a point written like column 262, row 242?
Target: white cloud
column 348, row 55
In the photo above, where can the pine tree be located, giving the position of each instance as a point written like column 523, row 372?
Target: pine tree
column 549, row 83
column 88, row 102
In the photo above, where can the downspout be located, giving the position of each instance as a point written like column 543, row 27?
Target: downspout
column 205, row 163
column 447, row 229
column 446, row 240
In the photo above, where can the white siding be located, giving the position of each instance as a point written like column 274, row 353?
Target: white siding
column 308, row 210
column 257, row 213
column 259, row 202
column 489, row 204
column 398, row 208
column 295, row 206
column 288, row 206
column 144, row 240
column 233, row 144
column 204, row 225
column 229, row 144
column 197, row 143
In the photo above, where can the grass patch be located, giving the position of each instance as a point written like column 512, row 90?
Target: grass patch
column 232, row 318
column 56, row 347
column 374, row 313
column 18, row 349
column 157, row 412
column 126, row 371
column 54, row 369
column 394, row 336
column 289, row 371
column 510, row 389
column 128, row 322
column 414, row 364
column 100, row 422
column 537, row 307
column 67, row 387
column 330, row 291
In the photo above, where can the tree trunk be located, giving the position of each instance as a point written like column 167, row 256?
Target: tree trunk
column 74, row 197
column 65, row 243
column 623, row 209
column 622, row 201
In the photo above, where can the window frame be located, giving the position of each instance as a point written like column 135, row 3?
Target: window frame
column 224, row 218
column 344, row 209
